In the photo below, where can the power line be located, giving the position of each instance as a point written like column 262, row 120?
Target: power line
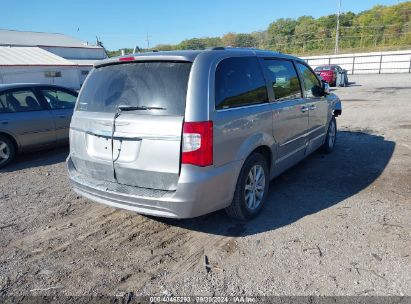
column 341, row 37
column 374, row 26
column 327, row 32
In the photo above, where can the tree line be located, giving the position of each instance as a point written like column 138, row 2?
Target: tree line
column 382, row 27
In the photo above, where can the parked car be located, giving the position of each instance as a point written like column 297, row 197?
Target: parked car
column 33, row 116
column 181, row 134
column 333, row 74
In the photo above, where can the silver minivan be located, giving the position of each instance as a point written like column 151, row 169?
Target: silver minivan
column 184, row 133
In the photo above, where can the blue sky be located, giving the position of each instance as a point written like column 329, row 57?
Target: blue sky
column 125, row 23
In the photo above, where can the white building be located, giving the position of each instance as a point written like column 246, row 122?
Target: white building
column 46, row 58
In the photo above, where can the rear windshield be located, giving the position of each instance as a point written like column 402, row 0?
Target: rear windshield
column 325, row 68
column 150, row 84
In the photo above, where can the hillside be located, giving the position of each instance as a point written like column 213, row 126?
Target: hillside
column 380, row 28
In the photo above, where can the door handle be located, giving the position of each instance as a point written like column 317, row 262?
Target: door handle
column 62, row 116
column 304, row 109
column 312, row 107
column 4, row 122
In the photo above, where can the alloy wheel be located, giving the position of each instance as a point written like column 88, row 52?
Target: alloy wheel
column 254, row 187
column 4, row 152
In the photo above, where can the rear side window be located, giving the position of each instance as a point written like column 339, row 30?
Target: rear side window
column 151, row 84
column 312, row 85
column 19, row 101
column 239, row 82
column 284, row 79
column 326, row 68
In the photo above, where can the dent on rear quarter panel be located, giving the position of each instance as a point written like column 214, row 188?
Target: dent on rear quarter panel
column 239, row 131
column 255, row 141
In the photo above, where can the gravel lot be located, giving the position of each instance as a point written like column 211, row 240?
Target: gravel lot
column 335, row 224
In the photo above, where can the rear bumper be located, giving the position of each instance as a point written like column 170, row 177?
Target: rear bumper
column 199, row 191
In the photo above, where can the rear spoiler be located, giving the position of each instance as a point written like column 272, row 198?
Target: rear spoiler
column 143, row 57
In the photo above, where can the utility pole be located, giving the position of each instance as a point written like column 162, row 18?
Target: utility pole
column 337, row 33
column 148, row 41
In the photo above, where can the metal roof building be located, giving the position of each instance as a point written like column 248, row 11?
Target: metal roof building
column 30, row 56
column 46, row 58
column 20, row 38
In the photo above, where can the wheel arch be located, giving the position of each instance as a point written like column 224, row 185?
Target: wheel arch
column 11, row 138
column 236, row 208
column 262, row 143
column 266, row 152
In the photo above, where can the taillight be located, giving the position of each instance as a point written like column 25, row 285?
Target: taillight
column 197, row 143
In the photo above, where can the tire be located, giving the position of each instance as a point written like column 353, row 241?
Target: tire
column 241, row 207
column 343, row 82
column 7, row 151
column 331, row 137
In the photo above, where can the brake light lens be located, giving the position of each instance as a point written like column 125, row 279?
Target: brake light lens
column 127, row 58
column 197, row 146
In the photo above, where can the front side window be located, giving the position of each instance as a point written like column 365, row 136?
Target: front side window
column 283, row 78
column 58, row 99
column 239, row 82
column 312, row 85
column 3, row 104
column 19, row 101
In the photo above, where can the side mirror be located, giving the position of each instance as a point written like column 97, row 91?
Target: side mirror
column 317, row 91
column 326, row 88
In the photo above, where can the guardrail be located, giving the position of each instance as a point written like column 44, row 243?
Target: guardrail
column 367, row 63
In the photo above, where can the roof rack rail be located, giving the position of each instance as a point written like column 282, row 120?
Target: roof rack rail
column 217, row 48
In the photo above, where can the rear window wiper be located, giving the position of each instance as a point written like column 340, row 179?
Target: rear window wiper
column 139, row 108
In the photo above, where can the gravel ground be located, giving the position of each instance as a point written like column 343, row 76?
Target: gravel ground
column 335, row 224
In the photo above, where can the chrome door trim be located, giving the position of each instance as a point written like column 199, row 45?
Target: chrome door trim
column 244, row 107
column 317, row 137
column 289, row 154
column 303, row 135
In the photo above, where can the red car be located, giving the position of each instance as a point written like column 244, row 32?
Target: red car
column 333, row 74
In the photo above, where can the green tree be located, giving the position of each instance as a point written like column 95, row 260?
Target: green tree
column 245, row 40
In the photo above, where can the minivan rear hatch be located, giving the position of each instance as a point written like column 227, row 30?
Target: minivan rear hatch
column 127, row 126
